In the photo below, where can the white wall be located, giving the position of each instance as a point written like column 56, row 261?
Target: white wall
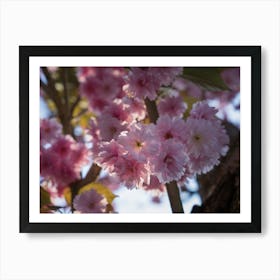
column 138, row 256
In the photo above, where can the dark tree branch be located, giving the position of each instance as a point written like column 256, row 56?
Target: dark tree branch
column 152, row 110
column 174, row 197
column 67, row 117
column 53, row 94
column 89, row 178
column 62, row 107
column 65, row 88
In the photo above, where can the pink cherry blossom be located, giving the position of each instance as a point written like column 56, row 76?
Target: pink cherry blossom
column 110, row 127
column 93, row 133
column 47, row 163
column 108, row 84
column 203, row 163
column 142, row 83
column 136, row 107
column 201, row 138
column 110, row 153
column 137, row 141
column 154, row 185
column 79, row 156
column 98, row 103
column 172, row 106
column 56, row 170
column 207, row 140
column 84, row 72
column 111, row 181
column 188, row 87
column 87, row 87
column 93, row 129
column 89, row 202
column 170, row 128
column 223, row 138
column 62, row 161
column 63, row 145
column 65, row 172
column 187, row 174
column 169, row 165
column 101, row 86
column 118, row 110
column 131, row 172
column 165, row 75
column 50, row 130
column 201, row 110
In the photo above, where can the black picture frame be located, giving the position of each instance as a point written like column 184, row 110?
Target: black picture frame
column 254, row 52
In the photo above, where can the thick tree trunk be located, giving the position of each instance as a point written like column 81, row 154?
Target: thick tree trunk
column 220, row 188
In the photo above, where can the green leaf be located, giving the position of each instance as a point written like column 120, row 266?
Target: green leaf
column 51, row 105
column 208, row 78
column 189, row 100
column 101, row 189
column 67, row 195
column 44, row 197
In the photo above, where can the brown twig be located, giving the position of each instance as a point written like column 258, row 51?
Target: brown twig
column 50, row 89
column 152, row 110
column 90, row 177
column 67, row 127
column 174, row 197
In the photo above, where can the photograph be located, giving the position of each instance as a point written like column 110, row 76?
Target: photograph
column 139, row 140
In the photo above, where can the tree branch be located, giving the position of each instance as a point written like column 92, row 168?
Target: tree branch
column 65, row 88
column 152, row 110
column 174, row 197
column 67, row 117
column 52, row 93
column 63, row 109
column 172, row 188
column 90, row 177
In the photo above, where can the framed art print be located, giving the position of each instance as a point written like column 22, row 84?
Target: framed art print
column 140, row 138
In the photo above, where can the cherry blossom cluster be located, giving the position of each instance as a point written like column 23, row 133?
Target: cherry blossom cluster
column 140, row 153
column 146, row 81
column 101, row 85
column 148, row 155
column 61, row 157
